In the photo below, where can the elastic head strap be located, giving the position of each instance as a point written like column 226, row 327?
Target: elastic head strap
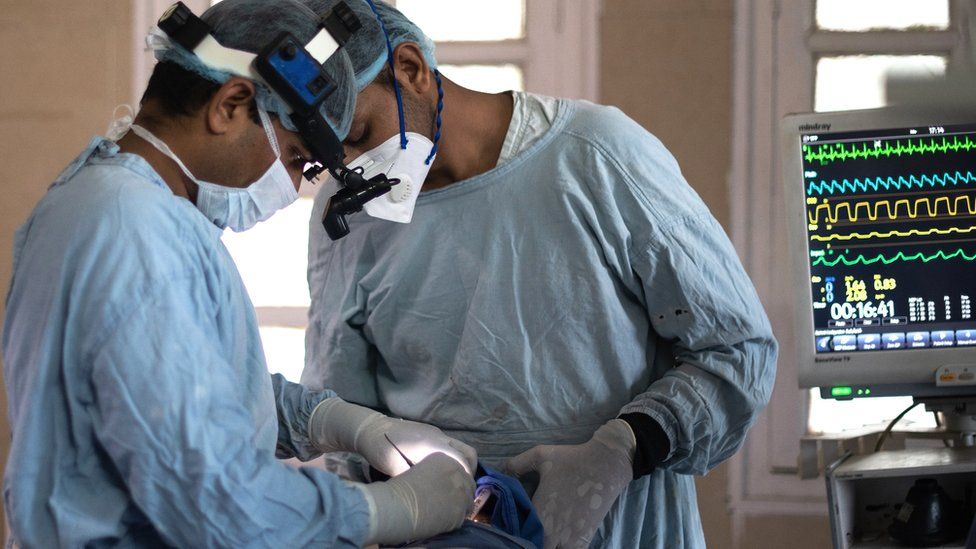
column 440, row 109
column 396, row 85
column 269, row 131
column 162, row 147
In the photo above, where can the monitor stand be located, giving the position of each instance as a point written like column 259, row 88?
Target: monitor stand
column 957, row 416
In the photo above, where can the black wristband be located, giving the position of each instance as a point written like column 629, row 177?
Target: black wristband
column 653, row 444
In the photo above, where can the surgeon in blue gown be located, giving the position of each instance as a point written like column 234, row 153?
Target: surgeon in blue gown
column 141, row 406
column 561, row 299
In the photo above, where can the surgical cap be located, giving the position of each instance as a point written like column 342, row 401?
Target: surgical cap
column 250, row 25
column 367, row 48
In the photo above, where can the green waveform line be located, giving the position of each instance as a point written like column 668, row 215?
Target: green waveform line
column 900, row 256
column 889, row 183
column 924, row 145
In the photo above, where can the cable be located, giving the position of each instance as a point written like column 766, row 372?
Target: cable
column 887, row 431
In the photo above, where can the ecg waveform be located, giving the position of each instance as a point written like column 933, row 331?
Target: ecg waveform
column 900, row 256
column 894, row 209
column 890, row 234
column 899, row 183
column 830, row 152
column 890, row 219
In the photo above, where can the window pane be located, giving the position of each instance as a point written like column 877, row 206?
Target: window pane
column 858, row 81
column 486, row 78
column 862, row 15
column 284, row 349
column 467, row 20
column 273, row 256
column 835, row 416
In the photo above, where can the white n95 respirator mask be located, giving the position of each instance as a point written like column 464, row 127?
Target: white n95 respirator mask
column 238, row 208
column 409, row 165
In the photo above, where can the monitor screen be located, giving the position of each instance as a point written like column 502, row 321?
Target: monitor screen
column 881, row 212
column 891, row 228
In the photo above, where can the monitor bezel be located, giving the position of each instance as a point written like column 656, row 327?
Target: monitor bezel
column 907, row 372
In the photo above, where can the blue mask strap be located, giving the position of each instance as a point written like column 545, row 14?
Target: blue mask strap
column 440, row 108
column 396, row 86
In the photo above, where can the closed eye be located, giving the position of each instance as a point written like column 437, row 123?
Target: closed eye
column 297, row 158
column 357, row 135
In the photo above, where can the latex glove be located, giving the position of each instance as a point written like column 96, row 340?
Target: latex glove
column 578, row 483
column 432, row 497
column 338, row 426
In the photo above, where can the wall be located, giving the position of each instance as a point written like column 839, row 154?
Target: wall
column 65, row 66
column 667, row 64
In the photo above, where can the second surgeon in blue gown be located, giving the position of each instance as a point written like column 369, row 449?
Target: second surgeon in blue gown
column 560, row 291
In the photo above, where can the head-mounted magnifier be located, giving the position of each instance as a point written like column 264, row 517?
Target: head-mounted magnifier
column 294, row 72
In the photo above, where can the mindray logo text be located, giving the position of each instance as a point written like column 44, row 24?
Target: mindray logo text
column 814, row 127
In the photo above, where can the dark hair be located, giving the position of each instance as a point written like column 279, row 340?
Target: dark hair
column 181, row 92
column 385, row 77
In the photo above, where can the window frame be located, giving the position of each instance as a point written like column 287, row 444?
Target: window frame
column 558, row 54
column 775, row 50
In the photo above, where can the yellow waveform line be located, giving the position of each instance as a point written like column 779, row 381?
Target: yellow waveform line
column 889, row 234
column 932, row 207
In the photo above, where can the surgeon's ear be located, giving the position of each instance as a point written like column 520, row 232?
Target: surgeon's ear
column 412, row 71
column 230, row 106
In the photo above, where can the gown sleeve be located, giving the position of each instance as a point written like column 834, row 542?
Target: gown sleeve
column 168, row 413
column 671, row 252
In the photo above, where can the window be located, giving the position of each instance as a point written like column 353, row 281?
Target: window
column 847, row 82
column 545, row 46
column 872, row 15
column 477, row 41
column 799, row 56
column 272, row 259
column 855, row 79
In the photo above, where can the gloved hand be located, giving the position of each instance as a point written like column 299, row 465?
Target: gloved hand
column 578, row 483
column 338, row 426
column 432, row 497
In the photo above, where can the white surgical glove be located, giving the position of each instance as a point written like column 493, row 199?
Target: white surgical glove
column 338, row 426
column 432, row 497
column 578, row 483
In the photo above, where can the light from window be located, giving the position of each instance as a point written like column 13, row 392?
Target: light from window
column 464, row 20
column 273, row 256
column 467, row 20
column 285, row 351
column 836, row 416
column 485, row 78
column 863, row 15
column 858, row 81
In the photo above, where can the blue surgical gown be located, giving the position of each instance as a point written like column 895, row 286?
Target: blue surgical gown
column 141, row 407
column 581, row 279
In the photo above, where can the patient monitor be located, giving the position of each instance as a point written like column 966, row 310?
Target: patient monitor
column 881, row 208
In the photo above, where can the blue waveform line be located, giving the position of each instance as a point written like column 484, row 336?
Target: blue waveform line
column 889, row 183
